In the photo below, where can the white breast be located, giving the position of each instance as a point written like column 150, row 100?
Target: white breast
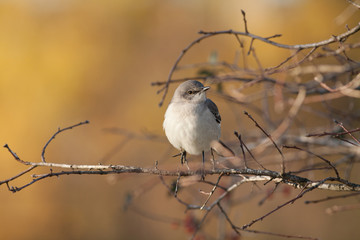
column 190, row 127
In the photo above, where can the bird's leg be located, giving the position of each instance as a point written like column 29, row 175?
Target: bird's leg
column 212, row 158
column 183, row 157
column 203, row 166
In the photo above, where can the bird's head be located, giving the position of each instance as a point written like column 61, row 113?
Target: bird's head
column 191, row 91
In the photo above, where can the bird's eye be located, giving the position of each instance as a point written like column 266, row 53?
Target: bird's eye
column 190, row 92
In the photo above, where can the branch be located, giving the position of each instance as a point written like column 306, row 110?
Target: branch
column 205, row 34
column 333, row 39
column 334, row 134
column 259, row 175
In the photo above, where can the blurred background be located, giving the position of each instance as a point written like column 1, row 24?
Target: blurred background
column 63, row 62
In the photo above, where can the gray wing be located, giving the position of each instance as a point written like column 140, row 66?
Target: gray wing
column 213, row 109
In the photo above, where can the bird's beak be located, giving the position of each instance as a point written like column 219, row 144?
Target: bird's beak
column 205, row 89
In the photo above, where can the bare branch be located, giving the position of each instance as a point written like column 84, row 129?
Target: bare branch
column 333, row 39
column 313, row 46
column 282, row 96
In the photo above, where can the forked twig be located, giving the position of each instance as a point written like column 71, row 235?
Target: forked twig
column 269, row 136
column 342, row 126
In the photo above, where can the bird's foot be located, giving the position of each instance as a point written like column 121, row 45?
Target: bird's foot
column 183, row 159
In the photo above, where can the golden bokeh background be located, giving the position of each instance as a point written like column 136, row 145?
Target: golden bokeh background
column 66, row 61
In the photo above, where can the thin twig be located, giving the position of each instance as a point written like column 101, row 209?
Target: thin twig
column 332, row 198
column 285, row 61
column 278, row 234
column 242, row 144
column 342, row 126
column 166, row 87
column 298, row 46
column 245, row 22
column 335, row 134
column 14, row 154
column 228, row 219
column 322, row 158
column 212, row 191
column 59, row 131
column 291, row 66
column 285, row 204
column 268, row 135
column 268, row 195
column 253, row 37
column 242, row 148
column 15, row 177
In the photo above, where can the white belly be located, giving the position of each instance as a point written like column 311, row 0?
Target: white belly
column 189, row 131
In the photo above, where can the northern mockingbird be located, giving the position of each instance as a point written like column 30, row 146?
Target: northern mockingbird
column 192, row 121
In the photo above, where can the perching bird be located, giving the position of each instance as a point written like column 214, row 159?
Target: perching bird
column 192, row 121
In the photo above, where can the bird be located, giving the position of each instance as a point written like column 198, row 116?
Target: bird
column 192, row 121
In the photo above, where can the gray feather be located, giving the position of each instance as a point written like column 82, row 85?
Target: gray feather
column 213, row 109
